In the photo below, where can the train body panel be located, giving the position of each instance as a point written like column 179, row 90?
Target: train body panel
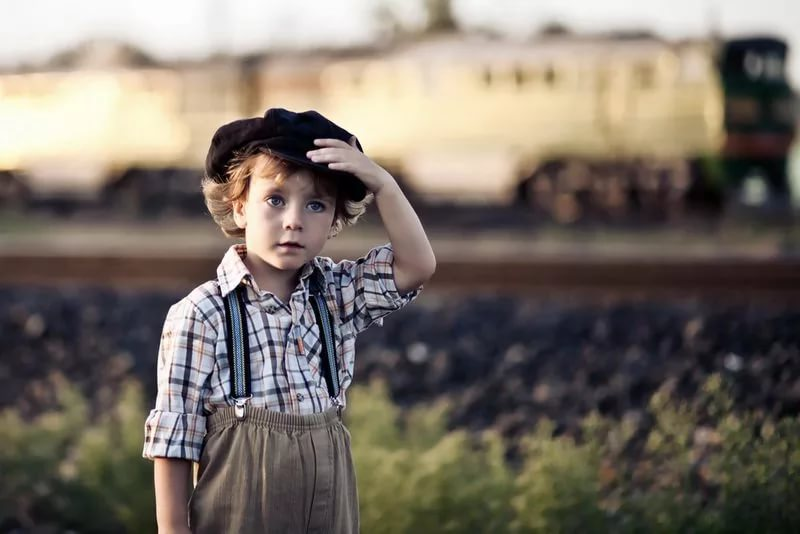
column 470, row 120
column 458, row 118
column 210, row 95
column 69, row 131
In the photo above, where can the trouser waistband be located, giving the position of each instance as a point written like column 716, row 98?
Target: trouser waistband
column 277, row 420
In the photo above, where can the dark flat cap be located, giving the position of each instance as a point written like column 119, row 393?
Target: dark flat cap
column 287, row 135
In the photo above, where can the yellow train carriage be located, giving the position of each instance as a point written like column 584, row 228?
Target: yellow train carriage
column 131, row 136
column 67, row 132
column 477, row 119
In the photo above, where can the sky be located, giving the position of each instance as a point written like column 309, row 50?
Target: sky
column 32, row 30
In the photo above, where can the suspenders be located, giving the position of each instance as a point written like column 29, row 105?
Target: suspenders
column 239, row 350
column 323, row 316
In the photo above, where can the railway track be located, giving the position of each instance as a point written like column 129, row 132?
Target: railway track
column 774, row 278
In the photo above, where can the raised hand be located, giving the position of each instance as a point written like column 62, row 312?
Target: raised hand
column 341, row 156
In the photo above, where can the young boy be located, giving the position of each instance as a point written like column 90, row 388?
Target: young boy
column 257, row 402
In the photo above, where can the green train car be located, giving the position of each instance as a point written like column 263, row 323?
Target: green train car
column 760, row 118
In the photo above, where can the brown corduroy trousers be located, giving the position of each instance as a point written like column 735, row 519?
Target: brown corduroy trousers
column 275, row 472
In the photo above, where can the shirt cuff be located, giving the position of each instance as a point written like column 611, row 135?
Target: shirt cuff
column 174, row 435
column 387, row 284
column 391, row 298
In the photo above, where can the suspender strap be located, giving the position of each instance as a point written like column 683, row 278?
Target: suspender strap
column 329, row 366
column 239, row 349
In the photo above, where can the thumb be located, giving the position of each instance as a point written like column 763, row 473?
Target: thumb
column 353, row 142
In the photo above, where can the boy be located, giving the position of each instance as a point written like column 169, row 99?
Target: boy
column 249, row 401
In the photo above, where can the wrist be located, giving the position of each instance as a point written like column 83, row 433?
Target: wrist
column 182, row 528
column 388, row 185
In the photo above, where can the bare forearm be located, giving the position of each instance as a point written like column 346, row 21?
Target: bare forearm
column 172, row 479
column 414, row 261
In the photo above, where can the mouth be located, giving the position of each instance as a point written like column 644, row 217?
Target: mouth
column 290, row 245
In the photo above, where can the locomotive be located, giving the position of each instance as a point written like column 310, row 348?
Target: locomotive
column 576, row 126
column 568, row 125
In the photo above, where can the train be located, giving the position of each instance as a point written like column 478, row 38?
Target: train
column 572, row 126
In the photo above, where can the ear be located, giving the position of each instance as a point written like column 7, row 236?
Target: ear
column 239, row 213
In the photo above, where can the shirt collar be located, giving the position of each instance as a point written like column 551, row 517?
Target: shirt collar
column 232, row 271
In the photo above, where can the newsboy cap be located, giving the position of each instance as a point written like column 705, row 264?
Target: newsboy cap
column 287, row 135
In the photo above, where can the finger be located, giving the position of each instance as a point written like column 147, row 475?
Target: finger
column 331, row 142
column 353, row 142
column 326, row 154
column 345, row 166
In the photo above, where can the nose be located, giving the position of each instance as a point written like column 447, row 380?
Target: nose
column 293, row 217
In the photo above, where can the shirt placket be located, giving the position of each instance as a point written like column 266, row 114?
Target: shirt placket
column 296, row 354
column 276, row 323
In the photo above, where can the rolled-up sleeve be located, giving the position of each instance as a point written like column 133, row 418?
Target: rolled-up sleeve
column 367, row 289
column 176, row 426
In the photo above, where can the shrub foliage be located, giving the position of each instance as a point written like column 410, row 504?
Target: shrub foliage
column 681, row 467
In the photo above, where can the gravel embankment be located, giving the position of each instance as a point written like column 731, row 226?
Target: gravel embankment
column 504, row 361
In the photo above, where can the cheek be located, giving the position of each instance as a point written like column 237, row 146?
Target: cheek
column 323, row 226
column 329, row 224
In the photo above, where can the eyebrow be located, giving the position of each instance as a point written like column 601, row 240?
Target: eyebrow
column 315, row 193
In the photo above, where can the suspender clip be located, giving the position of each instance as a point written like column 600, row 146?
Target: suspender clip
column 339, row 406
column 240, row 406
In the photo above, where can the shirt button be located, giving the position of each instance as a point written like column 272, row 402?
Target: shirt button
column 270, row 309
column 300, row 397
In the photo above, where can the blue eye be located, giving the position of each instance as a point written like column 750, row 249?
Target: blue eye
column 316, row 206
column 275, row 201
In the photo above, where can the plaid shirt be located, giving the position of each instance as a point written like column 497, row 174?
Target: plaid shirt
column 285, row 346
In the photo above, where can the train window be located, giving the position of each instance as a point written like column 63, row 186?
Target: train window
column 519, row 77
column 523, row 76
column 644, row 76
column 767, row 66
column 550, row 77
column 487, row 77
column 753, row 65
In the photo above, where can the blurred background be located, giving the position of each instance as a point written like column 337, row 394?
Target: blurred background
column 611, row 342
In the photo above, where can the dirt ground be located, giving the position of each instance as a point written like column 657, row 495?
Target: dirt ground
column 454, row 235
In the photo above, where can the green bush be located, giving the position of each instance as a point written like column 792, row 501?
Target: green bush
column 697, row 467
column 62, row 471
column 557, row 489
column 414, row 476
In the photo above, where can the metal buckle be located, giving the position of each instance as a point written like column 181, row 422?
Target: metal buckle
column 240, row 407
column 339, row 406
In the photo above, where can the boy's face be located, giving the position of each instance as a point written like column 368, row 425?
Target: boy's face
column 285, row 225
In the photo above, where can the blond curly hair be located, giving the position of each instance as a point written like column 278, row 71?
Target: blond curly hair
column 221, row 197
